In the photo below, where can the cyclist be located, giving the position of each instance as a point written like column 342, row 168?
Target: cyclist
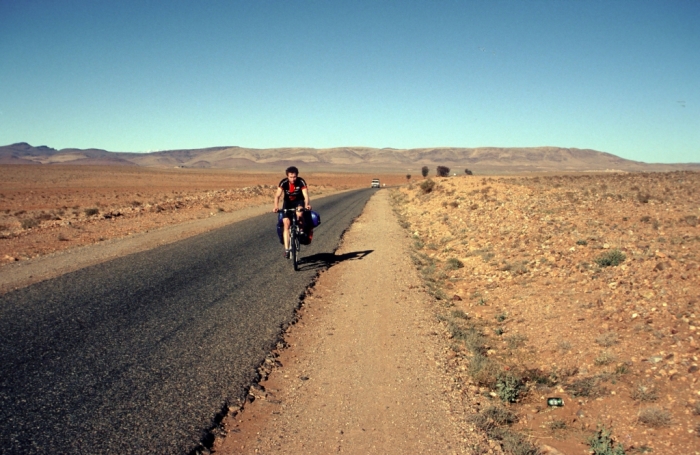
column 296, row 195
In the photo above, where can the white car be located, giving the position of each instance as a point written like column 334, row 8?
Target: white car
column 375, row 183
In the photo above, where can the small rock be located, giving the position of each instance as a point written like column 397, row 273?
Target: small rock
column 547, row 450
column 456, row 297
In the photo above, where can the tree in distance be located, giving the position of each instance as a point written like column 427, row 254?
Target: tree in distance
column 424, row 170
column 408, row 176
column 468, row 172
column 443, row 171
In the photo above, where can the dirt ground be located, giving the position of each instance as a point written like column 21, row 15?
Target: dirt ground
column 580, row 287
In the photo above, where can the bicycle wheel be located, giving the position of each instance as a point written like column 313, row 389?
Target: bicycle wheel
column 294, row 244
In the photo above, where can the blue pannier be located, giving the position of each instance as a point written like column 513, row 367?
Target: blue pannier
column 315, row 218
column 310, row 218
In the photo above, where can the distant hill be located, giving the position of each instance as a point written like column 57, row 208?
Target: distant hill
column 359, row 159
column 23, row 153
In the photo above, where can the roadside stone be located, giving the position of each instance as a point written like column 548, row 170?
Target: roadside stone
column 548, row 450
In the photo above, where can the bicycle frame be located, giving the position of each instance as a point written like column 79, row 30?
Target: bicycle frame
column 294, row 244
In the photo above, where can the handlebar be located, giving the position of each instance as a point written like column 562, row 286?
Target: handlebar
column 293, row 209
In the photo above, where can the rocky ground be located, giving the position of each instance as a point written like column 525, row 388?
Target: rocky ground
column 579, row 287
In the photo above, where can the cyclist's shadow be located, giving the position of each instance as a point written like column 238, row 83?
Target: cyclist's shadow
column 325, row 260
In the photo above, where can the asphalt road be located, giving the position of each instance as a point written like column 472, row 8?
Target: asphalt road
column 139, row 354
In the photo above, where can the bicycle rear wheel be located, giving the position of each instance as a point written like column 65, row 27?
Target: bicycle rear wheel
column 294, row 244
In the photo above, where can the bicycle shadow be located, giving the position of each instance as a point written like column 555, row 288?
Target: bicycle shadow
column 325, row 260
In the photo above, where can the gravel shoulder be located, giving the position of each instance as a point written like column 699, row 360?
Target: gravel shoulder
column 24, row 273
column 364, row 370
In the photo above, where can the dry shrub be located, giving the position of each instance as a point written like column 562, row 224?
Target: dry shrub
column 514, row 443
column 586, row 387
column 29, row 223
column 557, row 424
column 500, row 415
column 602, row 443
column 516, row 268
column 604, row 358
column 453, row 264
column 611, row 258
column 509, row 387
column 427, row 186
column 564, row 346
column 644, row 392
column 459, row 314
column 607, row 339
column 494, row 421
column 516, row 341
column 655, row 417
column 643, row 197
column 45, row 217
column 484, row 371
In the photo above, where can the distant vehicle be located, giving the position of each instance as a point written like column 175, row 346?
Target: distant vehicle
column 375, row 183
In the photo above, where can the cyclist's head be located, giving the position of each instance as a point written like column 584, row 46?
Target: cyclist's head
column 292, row 170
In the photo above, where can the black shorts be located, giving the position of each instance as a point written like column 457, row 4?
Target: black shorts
column 292, row 204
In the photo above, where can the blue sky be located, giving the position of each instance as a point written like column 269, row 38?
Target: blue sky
column 617, row 76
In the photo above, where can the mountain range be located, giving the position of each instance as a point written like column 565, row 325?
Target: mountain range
column 357, row 159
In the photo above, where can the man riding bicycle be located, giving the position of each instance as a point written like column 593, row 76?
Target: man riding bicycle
column 296, row 195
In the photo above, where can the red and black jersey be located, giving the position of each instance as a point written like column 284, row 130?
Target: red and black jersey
column 292, row 191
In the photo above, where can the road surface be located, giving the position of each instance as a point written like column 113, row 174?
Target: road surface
column 139, row 354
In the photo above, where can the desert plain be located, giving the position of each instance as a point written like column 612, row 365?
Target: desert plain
column 577, row 286
column 45, row 209
column 583, row 287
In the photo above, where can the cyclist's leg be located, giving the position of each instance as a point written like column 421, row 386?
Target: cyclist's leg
column 286, row 223
column 300, row 213
column 285, row 231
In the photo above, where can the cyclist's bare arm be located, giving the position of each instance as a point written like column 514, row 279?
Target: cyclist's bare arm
column 278, row 195
column 307, row 201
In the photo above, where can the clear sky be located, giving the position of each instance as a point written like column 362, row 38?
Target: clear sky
column 136, row 75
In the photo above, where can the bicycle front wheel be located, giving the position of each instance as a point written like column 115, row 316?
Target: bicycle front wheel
column 294, row 243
